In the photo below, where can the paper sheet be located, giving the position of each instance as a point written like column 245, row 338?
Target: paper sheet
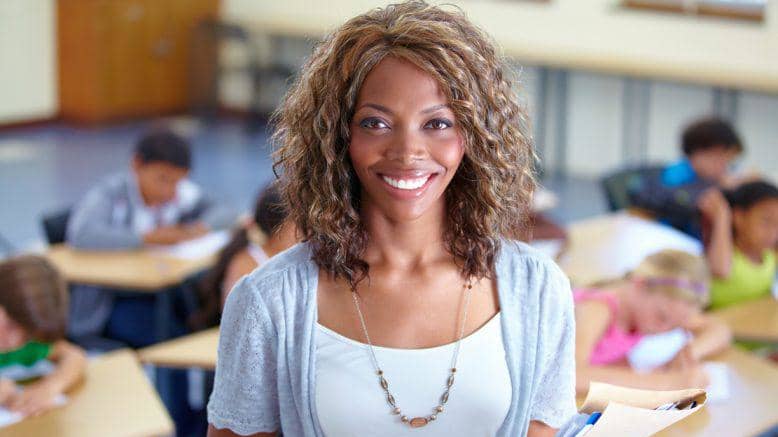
column 202, row 247
column 656, row 350
column 718, row 389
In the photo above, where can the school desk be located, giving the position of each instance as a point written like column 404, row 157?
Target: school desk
column 137, row 270
column 756, row 320
column 194, row 350
column 115, row 399
column 751, row 407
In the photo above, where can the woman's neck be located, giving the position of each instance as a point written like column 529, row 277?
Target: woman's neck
column 405, row 245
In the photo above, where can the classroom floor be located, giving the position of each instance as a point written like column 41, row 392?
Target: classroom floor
column 45, row 169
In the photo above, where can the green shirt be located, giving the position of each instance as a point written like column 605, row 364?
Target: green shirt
column 747, row 280
column 26, row 355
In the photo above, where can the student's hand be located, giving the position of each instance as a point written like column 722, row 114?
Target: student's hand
column 195, row 230
column 35, row 399
column 174, row 234
column 7, row 390
column 713, row 205
column 688, row 371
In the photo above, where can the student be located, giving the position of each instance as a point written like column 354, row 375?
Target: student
column 666, row 291
column 405, row 165
column 244, row 253
column 709, row 145
column 33, row 315
column 152, row 203
column 742, row 248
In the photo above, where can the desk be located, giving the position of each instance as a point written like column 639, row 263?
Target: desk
column 195, row 350
column 751, row 407
column 609, row 246
column 756, row 320
column 136, row 270
column 114, row 400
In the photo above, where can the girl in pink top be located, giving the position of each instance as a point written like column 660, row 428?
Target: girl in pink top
column 666, row 291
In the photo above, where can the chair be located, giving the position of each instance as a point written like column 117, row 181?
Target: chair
column 619, row 186
column 55, row 225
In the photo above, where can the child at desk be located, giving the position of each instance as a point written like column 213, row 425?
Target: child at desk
column 742, row 248
column 33, row 314
column 245, row 252
column 152, row 203
column 710, row 146
column 665, row 292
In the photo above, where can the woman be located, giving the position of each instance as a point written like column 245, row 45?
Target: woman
column 404, row 312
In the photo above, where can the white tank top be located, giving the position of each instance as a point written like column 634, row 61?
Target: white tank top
column 350, row 401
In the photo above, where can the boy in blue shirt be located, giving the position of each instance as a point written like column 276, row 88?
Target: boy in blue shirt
column 710, row 146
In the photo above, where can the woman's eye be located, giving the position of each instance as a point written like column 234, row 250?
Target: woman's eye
column 438, row 124
column 373, row 123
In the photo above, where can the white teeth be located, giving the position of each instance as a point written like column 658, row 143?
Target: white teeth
column 406, row 184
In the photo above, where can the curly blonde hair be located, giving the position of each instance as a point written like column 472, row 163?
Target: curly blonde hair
column 488, row 197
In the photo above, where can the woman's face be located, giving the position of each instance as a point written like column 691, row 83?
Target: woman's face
column 405, row 143
column 12, row 335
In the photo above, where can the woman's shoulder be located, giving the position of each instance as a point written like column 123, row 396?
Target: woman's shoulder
column 285, row 274
column 519, row 260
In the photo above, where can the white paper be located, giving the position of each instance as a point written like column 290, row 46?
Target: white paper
column 202, row 247
column 718, row 389
column 656, row 350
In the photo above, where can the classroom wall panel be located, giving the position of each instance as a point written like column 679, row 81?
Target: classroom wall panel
column 758, row 123
column 594, row 124
column 673, row 106
column 28, row 60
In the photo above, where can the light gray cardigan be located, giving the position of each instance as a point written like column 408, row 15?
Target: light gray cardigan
column 265, row 377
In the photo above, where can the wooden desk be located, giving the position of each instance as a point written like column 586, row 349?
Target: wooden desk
column 752, row 321
column 751, row 407
column 195, row 350
column 114, row 400
column 138, row 270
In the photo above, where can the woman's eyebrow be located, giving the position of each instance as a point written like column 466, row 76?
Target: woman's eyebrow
column 388, row 111
column 377, row 107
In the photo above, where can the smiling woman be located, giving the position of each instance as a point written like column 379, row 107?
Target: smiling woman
column 405, row 164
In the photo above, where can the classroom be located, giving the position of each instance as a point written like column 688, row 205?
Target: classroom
column 388, row 218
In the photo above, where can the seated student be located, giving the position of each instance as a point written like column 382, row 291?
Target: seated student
column 709, row 146
column 744, row 237
column 666, row 291
column 152, row 203
column 33, row 315
column 244, row 253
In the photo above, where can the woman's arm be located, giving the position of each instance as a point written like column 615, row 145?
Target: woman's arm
column 540, row 429
column 711, row 336
column 215, row 432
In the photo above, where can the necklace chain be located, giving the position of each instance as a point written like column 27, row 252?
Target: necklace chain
column 420, row 421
